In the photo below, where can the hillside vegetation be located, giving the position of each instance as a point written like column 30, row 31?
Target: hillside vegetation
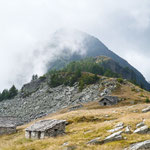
column 100, row 65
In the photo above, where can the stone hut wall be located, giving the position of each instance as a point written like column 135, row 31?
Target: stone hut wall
column 7, row 130
column 56, row 130
column 32, row 134
column 28, row 134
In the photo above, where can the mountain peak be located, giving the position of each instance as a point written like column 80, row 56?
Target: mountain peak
column 72, row 45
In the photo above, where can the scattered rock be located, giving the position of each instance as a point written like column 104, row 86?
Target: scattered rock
column 146, row 110
column 43, row 100
column 140, row 124
column 65, row 144
column 140, row 146
column 132, row 102
column 120, row 124
column 118, row 127
column 114, row 111
column 70, row 148
column 94, row 141
column 114, row 137
column 135, row 111
column 115, row 129
column 76, row 107
column 89, row 131
column 142, row 130
column 127, row 130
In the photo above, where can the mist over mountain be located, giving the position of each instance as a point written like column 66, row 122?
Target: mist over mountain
column 71, row 45
column 63, row 46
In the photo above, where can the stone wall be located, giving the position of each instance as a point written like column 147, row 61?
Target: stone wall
column 7, row 130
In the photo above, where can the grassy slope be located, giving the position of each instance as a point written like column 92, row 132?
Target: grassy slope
column 89, row 122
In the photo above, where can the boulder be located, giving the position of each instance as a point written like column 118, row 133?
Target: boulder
column 127, row 130
column 140, row 124
column 118, row 127
column 94, row 141
column 75, row 107
column 146, row 110
column 65, row 144
column 114, row 137
column 115, row 129
column 120, row 124
column 140, row 146
column 70, row 147
column 142, row 130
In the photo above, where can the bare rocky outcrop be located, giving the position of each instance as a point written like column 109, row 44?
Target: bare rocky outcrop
column 76, row 107
column 117, row 127
column 142, row 130
column 146, row 110
column 127, row 130
column 114, row 137
column 140, row 124
column 95, row 141
column 145, row 145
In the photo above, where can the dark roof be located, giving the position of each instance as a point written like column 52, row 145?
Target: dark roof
column 44, row 125
column 7, row 121
column 110, row 98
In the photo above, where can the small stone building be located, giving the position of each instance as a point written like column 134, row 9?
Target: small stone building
column 45, row 128
column 109, row 100
column 7, row 125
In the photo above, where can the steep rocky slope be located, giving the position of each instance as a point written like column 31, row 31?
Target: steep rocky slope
column 43, row 99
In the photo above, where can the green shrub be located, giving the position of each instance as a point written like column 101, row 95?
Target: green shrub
column 87, row 79
column 141, row 95
column 147, row 100
column 120, row 80
column 81, row 85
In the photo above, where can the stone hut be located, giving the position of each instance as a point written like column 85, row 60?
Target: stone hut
column 45, row 128
column 7, row 125
column 109, row 100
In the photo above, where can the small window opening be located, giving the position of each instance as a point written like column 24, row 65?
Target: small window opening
column 55, row 130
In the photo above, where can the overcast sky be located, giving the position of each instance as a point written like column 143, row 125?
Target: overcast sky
column 26, row 25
